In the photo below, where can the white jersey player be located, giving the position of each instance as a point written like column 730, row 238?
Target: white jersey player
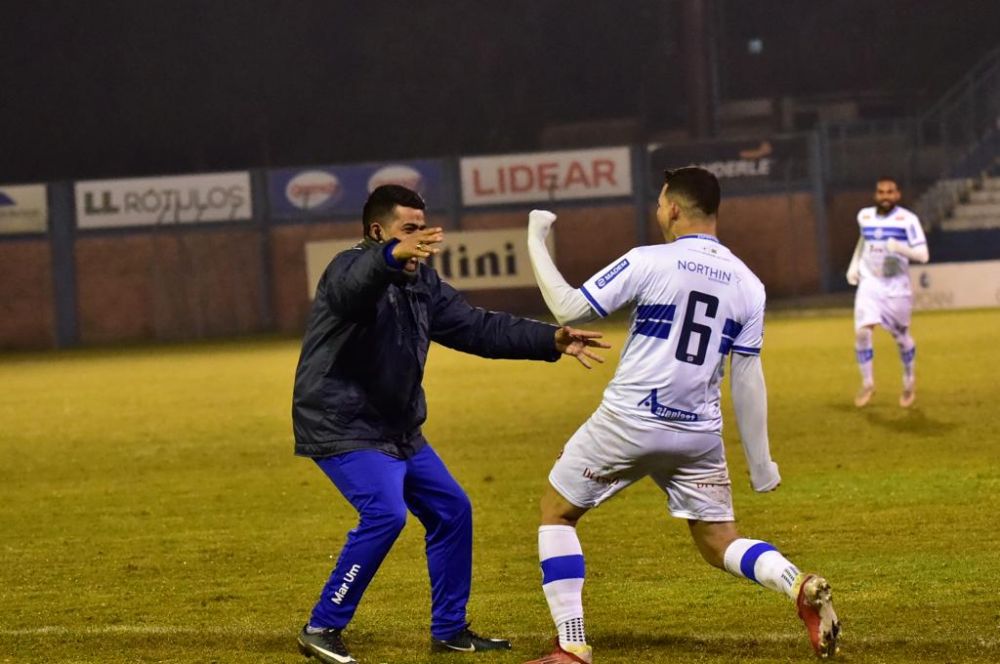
column 693, row 304
column 890, row 237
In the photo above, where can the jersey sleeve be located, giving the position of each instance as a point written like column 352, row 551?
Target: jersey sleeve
column 750, row 336
column 615, row 285
column 914, row 232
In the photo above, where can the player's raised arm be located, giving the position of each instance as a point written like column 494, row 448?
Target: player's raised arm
column 750, row 405
column 567, row 304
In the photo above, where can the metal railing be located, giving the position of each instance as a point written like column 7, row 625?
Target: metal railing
column 948, row 140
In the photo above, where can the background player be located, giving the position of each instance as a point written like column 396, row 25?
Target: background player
column 695, row 303
column 890, row 238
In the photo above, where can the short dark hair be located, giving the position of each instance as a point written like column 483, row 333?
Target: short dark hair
column 383, row 201
column 697, row 185
column 887, row 178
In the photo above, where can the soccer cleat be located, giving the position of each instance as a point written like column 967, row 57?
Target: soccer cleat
column 559, row 655
column 468, row 641
column 325, row 645
column 815, row 605
column 908, row 396
column 864, row 395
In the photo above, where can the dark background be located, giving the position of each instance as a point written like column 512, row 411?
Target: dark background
column 113, row 88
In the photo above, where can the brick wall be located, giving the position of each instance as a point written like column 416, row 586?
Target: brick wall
column 27, row 315
column 207, row 282
column 168, row 285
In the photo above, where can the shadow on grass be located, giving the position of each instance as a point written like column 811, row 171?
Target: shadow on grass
column 912, row 420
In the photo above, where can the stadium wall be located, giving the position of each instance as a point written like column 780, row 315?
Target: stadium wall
column 110, row 273
column 168, row 285
column 27, row 317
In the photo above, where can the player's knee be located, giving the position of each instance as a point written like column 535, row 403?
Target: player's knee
column 863, row 337
column 388, row 521
column 458, row 511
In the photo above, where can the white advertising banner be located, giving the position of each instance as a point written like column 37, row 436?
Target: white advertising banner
column 182, row 199
column 956, row 285
column 23, row 208
column 545, row 176
column 469, row 260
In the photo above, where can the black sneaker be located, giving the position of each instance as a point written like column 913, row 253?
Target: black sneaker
column 468, row 641
column 325, row 645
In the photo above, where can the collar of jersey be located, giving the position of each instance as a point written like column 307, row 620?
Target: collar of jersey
column 698, row 236
column 887, row 214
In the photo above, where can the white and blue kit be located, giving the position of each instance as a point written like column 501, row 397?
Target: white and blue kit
column 694, row 303
column 884, row 295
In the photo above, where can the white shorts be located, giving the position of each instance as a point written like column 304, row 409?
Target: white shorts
column 872, row 306
column 608, row 453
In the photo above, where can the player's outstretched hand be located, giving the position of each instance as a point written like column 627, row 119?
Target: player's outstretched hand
column 418, row 244
column 571, row 341
column 539, row 223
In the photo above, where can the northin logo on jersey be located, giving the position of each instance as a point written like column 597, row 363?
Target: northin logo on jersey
column 713, row 273
column 609, row 276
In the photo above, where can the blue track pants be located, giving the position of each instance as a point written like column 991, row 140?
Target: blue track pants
column 382, row 488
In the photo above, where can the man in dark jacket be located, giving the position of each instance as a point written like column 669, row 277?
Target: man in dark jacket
column 358, row 407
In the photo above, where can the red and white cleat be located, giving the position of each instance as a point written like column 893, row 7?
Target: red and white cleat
column 815, row 605
column 560, row 656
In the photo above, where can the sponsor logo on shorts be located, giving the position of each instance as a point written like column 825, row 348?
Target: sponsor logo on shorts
column 608, row 276
column 600, row 479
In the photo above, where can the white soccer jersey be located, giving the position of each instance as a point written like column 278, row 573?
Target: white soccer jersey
column 695, row 302
column 890, row 272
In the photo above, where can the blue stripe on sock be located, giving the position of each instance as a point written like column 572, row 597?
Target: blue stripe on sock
column 865, row 355
column 750, row 559
column 562, row 567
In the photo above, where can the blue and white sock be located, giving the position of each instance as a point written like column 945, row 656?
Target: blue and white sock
column 563, row 572
column 908, row 354
column 865, row 354
column 760, row 562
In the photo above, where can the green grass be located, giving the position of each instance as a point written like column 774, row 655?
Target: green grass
column 152, row 510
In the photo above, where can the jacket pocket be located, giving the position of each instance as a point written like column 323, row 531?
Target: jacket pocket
column 342, row 400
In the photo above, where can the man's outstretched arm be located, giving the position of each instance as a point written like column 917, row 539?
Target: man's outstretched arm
column 495, row 334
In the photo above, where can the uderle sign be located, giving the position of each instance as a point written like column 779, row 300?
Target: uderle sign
column 469, row 260
column 544, row 176
column 164, row 200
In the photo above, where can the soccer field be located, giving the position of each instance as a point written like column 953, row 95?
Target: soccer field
column 153, row 512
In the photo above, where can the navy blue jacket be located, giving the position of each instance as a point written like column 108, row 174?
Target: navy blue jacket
column 358, row 381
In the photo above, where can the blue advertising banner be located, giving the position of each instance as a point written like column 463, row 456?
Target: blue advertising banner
column 323, row 191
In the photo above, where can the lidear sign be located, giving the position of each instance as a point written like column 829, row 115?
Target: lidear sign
column 543, row 176
column 184, row 199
